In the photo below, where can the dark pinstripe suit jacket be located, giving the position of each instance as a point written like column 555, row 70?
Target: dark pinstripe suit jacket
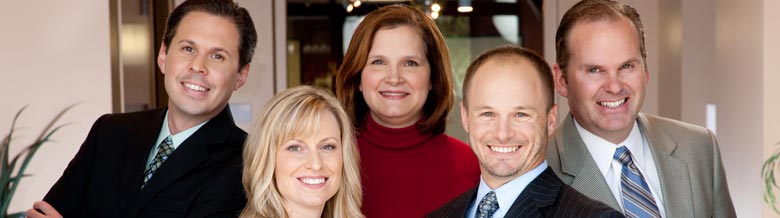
column 545, row 196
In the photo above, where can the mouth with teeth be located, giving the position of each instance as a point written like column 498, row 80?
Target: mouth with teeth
column 613, row 104
column 194, row 87
column 504, row 150
column 393, row 94
column 313, row 181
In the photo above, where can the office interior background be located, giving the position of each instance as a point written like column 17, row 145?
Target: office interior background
column 713, row 63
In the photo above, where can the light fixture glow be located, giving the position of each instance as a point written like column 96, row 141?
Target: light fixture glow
column 349, row 8
column 357, row 3
column 435, row 7
column 435, row 15
column 465, row 9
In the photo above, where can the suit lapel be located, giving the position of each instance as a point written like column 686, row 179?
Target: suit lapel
column 672, row 172
column 541, row 192
column 138, row 144
column 191, row 153
column 578, row 168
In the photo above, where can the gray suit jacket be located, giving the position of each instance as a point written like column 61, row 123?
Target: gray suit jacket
column 693, row 182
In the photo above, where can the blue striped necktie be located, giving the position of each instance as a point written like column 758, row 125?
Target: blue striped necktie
column 637, row 199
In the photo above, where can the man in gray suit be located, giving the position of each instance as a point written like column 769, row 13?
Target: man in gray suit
column 643, row 165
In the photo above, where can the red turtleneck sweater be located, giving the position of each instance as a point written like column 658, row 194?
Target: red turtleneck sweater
column 409, row 174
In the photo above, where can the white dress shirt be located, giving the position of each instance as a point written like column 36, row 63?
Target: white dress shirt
column 507, row 193
column 176, row 139
column 603, row 151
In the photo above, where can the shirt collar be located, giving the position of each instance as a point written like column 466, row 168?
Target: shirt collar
column 178, row 138
column 602, row 150
column 508, row 193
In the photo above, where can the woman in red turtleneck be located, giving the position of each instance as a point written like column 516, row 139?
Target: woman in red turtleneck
column 396, row 84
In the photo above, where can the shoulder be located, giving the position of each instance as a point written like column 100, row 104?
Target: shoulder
column 455, row 207
column 673, row 128
column 579, row 205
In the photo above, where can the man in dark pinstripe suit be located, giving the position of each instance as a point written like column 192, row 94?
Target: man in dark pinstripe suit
column 507, row 110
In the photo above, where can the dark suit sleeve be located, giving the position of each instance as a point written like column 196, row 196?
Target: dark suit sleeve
column 223, row 198
column 67, row 194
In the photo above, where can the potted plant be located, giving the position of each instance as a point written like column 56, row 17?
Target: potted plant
column 771, row 188
column 12, row 169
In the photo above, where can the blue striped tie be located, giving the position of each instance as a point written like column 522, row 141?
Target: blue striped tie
column 637, row 199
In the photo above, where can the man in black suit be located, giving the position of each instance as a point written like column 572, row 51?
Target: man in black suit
column 180, row 161
column 507, row 110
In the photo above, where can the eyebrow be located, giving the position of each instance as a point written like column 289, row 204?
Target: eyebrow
column 516, row 108
column 217, row 49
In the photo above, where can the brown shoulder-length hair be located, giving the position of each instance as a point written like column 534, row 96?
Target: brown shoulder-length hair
column 441, row 97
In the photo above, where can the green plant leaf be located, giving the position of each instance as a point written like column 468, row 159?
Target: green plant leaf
column 10, row 182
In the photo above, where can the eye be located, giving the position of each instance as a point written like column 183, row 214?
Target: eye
column 627, row 66
column 188, row 49
column 294, row 148
column 521, row 114
column 486, row 114
column 593, row 70
column 411, row 63
column 378, row 62
column 217, row 56
column 328, row 147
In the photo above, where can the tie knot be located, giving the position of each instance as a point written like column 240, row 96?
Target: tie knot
column 488, row 205
column 622, row 155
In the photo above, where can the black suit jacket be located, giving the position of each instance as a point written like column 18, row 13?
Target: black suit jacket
column 202, row 178
column 545, row 196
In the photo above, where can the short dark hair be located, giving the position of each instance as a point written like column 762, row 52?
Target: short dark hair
column 247, row 38
column 441, row 97
column 537, row 61
column 594, row 10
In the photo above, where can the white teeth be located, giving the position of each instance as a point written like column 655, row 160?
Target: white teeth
column 195, row 87
column 393, row 93
column 311, row 181
column 612, row 104
column 504, row 149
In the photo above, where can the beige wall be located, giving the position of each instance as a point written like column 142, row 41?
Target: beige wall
column 771, row 84
column 54, row 53
column 57, row 53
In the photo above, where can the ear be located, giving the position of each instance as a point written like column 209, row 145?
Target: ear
column 560, row 81
column 464, row 117
column 161, row 55
column 242, row 75
column 647, row 76
column 552, row 118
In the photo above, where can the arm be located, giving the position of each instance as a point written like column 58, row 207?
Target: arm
column 41, row 209
column 68, row 192
column 225, row 198
column 720, row 191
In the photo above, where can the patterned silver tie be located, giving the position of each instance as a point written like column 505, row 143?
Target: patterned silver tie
column 487, row 206
column 638, row 201
column 164, row 150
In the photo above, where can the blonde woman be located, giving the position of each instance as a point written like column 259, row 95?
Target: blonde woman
column 300, row 159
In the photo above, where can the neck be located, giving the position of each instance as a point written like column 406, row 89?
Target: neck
column 396, row 122
column 294, row 211
column 496, row 181
column 179, row 121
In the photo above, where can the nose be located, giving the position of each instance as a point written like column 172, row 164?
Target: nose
column 394, row 76
column 198, row 64
column 314, row 162
column 613, row 84
column 505, row 132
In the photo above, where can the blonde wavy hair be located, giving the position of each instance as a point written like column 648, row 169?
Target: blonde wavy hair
column 295, row 113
